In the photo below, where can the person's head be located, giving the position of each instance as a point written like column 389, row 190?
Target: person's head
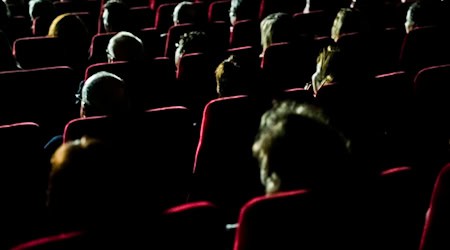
column 184, row 12
column 276, row 28
column 346, row 21
column 124, row 46
column 242, row 10
column 297, row 148
column 104, row 94
column 230, row 78
column 115, row 16
column 80, row 186
column 191, row 42
column 421, row 14
column 41, row 8
column 71, row 29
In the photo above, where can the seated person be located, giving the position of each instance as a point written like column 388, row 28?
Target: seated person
column 102, row 94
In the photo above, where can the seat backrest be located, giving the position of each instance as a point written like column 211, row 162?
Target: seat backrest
column 40, row 26
column 437, row 225
column 195, row 76
column 38, row 52
column 195, row 225
column 429, row 84
column 245, row 33
column 423, row 47
column 402, row 202
column 45, row 96
column 316, row 23
column 23, row 181
column 286, row 220
column 142, row 17
column 302, row 219
column 173, row 36
column 160, row 139
column 230, row 177
column 218, row 11
column 119, row 68
column 431, row 95
column 391, row 40
column 154, row 44
column 18, row 27
column 154, row 4
column 281, row 73
column 99, row 44
column 163, row 17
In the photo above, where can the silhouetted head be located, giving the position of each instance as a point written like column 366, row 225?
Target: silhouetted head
column 297, row 148
column 347, row 21
column 124, row 46
column 185, row 12
column 422, row 13
column 276, row 28
column 81, row 185
column 115, row 16
column 41, row 8
column 191, row 42
column 104, row 94
column 231, row 78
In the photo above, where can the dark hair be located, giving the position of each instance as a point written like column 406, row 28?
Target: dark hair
column 118, row 15
column 297, row 142
column 194, row 41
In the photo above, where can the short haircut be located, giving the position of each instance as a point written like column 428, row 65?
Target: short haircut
column 124, row 46
column 422, row 13
column 346, row 21
column 276, row 28
column 297, row 142
column 230, row 77
column 118, row 15
column 41, row 8
column 185, row 12
column 194, row 41
column 104, row 94
column 69, row 27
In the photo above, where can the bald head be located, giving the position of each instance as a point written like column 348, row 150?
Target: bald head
column 124, row 46
column 103, row 94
